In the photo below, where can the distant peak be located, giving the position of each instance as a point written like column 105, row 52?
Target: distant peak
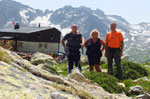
column 6, row 0
column 84, row 7
column 68, row 6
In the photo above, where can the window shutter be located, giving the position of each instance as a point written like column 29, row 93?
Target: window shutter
column 45, row 45
column 40, row 45
column 21, row 44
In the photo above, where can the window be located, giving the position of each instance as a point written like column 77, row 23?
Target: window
column 42, row 45
column 51, row 37
column 39, row 36
column 1, row 42
column 20, row 44
column 45, row 45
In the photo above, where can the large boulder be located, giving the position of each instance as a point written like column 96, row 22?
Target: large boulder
column 136, row 90
column 18, row 83
column 84, row 58
column 76, row 74
column 103, row 60
column 39, row 58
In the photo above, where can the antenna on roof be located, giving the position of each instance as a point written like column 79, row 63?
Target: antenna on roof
column 39, row 24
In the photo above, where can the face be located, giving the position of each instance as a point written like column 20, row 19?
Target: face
column 74, row 29
column 94, row 35
column 113, row 27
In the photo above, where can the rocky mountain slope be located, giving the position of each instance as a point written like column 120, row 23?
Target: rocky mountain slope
column 136, row 36
column 22, row 80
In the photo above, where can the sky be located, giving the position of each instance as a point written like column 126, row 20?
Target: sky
column 134, row 11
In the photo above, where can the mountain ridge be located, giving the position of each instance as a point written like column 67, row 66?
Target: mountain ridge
column 86, row 18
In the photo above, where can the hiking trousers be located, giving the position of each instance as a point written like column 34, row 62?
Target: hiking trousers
column 113, row 53
column 73, row 58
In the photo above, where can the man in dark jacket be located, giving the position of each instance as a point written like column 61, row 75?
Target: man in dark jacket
column 74, row 42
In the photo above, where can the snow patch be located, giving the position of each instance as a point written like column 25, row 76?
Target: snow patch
column 43, row 20
column 98, row 16
column 132, row 38
column 115, row 20
column 23, row 16
column 31, row 10
column 64, row 31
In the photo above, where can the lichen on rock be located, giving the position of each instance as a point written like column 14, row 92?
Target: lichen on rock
column 20, row 79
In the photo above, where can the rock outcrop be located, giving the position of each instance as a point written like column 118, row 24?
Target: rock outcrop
column 78, row 76
column 143, row 78
column 39, row 58
column 20, row 79
column 144, row 96
column 136, row 90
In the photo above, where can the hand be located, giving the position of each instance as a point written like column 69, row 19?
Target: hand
column 102, row 49
column 105, row 54
column 64, row 45
column 82, row 45
column 120, row 54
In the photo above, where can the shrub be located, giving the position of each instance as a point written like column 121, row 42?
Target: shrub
column 108, row 82
column 131, row 74
column 147, row 63
column 129, row 83
column 135, row 66
column 131, row 70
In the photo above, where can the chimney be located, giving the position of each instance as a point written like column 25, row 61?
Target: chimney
column 16, row 26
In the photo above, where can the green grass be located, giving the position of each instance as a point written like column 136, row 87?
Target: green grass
column 131, row 71
column 104, row 66
column 147, row 63
column 51, row 69
column 108, row 82
column 62, row 68
column 145, row 84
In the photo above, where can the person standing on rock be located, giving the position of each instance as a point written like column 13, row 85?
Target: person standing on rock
column 74, row 42
column 114, row 49
column 94, row 51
